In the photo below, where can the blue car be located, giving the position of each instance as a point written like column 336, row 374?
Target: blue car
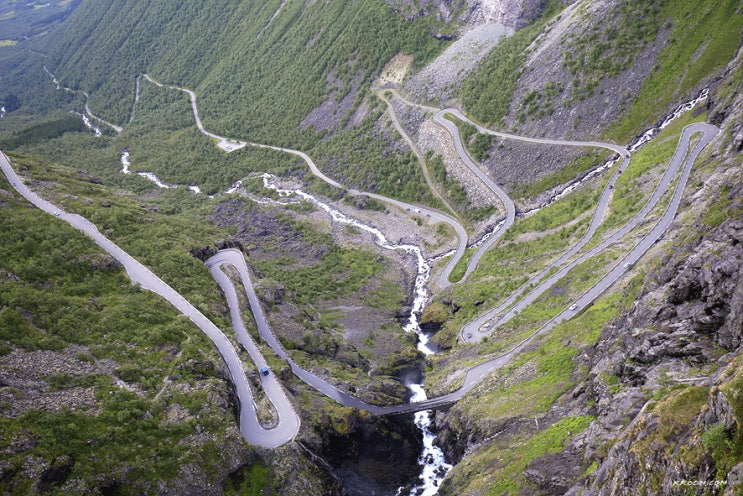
column 264, row 370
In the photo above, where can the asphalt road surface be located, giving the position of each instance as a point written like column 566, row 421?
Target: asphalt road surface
column 250, row 427
column 288, row 421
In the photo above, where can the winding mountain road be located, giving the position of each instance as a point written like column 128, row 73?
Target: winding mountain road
column 474, row 330
column 288, row 422
column 250, row 427
column 433, row 215
column 683, row 159
column 508, row 206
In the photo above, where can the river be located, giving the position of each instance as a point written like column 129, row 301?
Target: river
column 432, row 460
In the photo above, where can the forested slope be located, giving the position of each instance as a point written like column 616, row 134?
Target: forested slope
column 259, row 67
column 259, row 70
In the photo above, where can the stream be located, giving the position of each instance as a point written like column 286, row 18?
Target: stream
column 432, row 461
column 638, row 143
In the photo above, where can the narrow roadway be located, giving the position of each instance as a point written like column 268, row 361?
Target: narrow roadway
column 474, row 331
column 510, row 211
column 288, row 423
column 474, row 375
column 250, row 427
column 433, row 215
column 421, row 160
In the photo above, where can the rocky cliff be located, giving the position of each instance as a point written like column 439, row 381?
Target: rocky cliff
column 662, row 383
column 512, row 13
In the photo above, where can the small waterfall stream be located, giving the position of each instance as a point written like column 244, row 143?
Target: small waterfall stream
column 432, row 461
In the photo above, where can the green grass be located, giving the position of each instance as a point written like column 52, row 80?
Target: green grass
column 549, row 304
column 515, row 392
column 509, row 479
column 583, row 163
column 721, row 209
column 477, row 144
column 65, row 291
column 637, row 183
column 583, row 329
column 705, row 35
column 509, row 264
column 254, row 480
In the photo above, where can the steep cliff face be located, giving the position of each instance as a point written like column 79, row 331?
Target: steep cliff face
column 587, row 67
column 668, row 375
column 676, row 355
column 512, row 13
column 662, row 383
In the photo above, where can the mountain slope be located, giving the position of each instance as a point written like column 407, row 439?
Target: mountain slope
column 652, row 364
column 261, row 67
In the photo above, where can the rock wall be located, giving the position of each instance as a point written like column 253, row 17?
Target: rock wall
column 664, row 381
column 512, row 13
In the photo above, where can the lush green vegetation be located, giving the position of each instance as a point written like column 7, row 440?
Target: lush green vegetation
column 508, row 478
column 59, row 289
column 251, row 90
column 573, row 170
column 45, row 131
column 340, row 271
column 487, row 93
column 369, row 159
column 704, row 36
column 507, row 264
column 725, row 206
column 162, row 138
column 576, row 282
column 606, row 51
column 526, row 388
column 477, row 144
column 250, row 481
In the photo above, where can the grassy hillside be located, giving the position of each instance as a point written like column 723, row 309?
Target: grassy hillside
column 260, row 67
column 703, row 38
column 603, row 55
column 85, row 356
column 103, row 373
